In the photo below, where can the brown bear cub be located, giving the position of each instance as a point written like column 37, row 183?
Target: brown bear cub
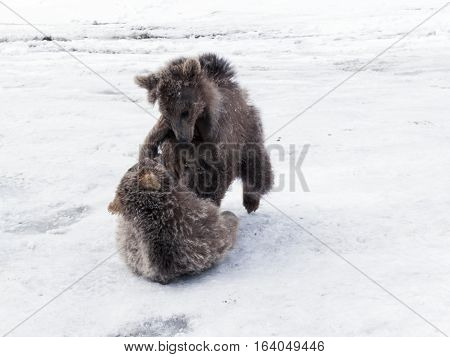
column 166, row 231
column 208, row 132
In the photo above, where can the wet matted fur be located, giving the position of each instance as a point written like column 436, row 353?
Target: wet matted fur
column 165, row 230
column 202, row 103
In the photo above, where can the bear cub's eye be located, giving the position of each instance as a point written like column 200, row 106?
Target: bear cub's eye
column 184, row 114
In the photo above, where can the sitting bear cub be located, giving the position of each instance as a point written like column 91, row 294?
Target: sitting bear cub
column 164, row 230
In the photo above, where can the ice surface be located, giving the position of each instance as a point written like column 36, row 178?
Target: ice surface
column 377, row 168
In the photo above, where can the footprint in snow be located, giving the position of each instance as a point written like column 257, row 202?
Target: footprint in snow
column 53, row 222
column 155, row 327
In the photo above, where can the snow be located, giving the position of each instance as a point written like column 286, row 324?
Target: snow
column 377, row 168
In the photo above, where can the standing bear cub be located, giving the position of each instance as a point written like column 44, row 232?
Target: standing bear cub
column 205, row 110
column 165, row 230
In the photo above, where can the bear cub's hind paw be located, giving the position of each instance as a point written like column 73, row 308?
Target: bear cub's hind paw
column 251, row 202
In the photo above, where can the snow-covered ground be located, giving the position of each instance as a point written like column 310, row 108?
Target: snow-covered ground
column 378, row 168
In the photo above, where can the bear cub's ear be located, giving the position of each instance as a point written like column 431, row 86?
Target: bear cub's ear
column 191, row 68
column 148, row 180
column 148, row 82
column 115, row 207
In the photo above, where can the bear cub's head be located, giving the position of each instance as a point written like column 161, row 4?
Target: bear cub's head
column 140, row 188
column 183, row 93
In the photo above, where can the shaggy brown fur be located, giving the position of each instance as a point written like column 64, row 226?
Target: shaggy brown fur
column 201, row 103
column 166, row 231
